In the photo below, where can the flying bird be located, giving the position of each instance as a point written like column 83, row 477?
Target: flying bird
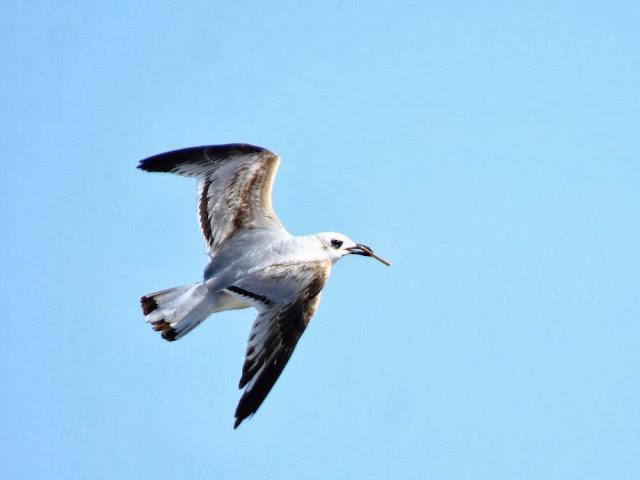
column 254, row 262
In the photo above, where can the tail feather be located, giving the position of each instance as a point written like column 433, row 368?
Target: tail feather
column 174, row 312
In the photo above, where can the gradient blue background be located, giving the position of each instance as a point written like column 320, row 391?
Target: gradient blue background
column 489, row 149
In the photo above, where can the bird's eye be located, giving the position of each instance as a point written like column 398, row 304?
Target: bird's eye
column 336, row 243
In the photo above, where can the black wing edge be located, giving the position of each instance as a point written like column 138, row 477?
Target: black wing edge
column 284, row 343
column 252, row 399
column 168, row 161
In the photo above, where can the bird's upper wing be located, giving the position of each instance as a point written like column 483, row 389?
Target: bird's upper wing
column 286, row 296
column 234, row 187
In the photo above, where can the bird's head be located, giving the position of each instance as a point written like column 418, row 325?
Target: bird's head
column 337, row 246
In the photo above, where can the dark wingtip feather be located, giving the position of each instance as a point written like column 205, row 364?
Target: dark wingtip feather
column 241, row 418
column 167, row 162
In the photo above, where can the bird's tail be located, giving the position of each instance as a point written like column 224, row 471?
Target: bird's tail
column 176, row 311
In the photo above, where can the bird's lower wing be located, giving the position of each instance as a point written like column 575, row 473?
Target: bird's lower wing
column 286, row 297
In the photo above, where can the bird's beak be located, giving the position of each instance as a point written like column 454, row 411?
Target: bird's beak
column 365, row 251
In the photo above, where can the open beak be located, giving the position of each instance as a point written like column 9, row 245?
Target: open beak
column 365, row 251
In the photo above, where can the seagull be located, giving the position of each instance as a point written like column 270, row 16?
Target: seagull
column 254, row 262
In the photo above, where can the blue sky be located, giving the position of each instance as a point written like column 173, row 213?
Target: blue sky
column 489, row 150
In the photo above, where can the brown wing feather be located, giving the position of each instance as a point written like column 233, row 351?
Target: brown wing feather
column 234, row 188
column 273, row 338
column 237, row 195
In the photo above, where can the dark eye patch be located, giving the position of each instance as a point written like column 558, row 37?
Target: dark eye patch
column 336, row 243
